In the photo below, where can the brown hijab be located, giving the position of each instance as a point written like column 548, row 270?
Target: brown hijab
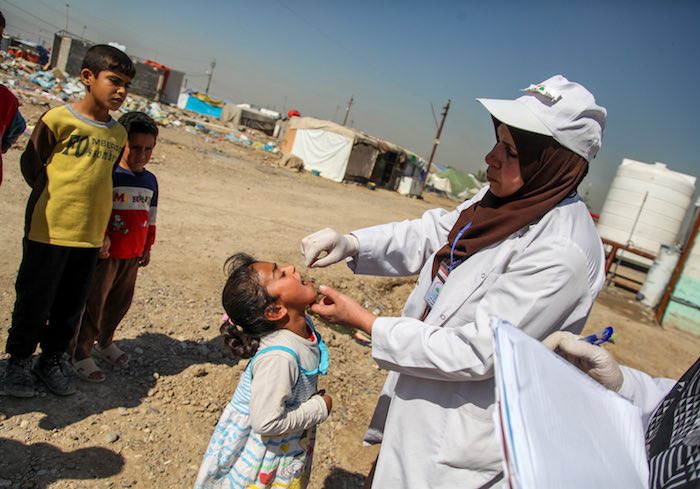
column 550, row 173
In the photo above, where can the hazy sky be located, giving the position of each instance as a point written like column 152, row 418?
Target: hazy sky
column 639, row 58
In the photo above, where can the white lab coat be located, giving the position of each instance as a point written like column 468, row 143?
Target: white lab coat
column 434, row 416
column 644, row 391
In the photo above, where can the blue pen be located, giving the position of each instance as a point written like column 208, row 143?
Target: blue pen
column 601, row 337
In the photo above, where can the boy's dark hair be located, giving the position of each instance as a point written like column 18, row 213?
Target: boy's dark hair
column 101, row 57
column 245, row 301
column 139, row 123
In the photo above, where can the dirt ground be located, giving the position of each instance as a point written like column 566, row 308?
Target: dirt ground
column 148, row 424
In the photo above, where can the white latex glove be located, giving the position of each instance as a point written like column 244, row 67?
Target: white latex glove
column 337, row 246
column 594, row 360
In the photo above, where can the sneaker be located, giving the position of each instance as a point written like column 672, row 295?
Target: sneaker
column 55, row 372
column 18, row 377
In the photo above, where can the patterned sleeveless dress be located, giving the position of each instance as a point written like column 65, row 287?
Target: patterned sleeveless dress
column 239, row 458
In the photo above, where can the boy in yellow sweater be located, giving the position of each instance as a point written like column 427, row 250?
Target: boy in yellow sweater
column 68, row 163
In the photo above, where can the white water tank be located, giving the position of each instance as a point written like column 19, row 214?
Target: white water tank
column 645, row 206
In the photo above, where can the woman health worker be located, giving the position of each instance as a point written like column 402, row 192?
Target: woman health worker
column 525, row 249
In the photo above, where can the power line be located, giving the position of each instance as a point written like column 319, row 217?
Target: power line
column 27, row 35
column 345, row 48
column 141, row 49
column 136, row 35
column 86, row 18
column 432, row 109
column 50, row 7
column 28, row 23
column 32, row 15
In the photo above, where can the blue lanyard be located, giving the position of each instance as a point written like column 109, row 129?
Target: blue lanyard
column 452, row 264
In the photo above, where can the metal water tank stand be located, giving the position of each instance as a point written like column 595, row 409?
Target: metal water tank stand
column 613, row 276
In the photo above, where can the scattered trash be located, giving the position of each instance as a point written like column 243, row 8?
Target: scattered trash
column 45, row 79
column 271, row 148
column 38, row 85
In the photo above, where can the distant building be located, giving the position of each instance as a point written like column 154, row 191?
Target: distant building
column 153, row 80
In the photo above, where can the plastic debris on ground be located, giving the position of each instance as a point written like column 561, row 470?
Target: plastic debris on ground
column 39, row 85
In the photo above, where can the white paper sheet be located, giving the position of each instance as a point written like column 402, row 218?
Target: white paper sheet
column 560, row 428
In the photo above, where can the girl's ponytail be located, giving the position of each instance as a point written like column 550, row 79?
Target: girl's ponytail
column 242, row 345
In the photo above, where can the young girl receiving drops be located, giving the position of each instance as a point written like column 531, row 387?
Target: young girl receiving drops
column 265, row 436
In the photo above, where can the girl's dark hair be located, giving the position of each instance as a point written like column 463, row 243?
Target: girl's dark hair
column 101, row 57
column 139, row 123
column 245, row 300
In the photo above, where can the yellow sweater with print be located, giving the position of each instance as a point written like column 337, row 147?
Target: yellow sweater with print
column 68, row 163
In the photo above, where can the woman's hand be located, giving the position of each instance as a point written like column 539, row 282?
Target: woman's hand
column 340, row 309
column 594, row 360
column 326, row 247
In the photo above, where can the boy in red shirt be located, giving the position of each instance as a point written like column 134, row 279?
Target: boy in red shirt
column 12, row 124
column 131, row 233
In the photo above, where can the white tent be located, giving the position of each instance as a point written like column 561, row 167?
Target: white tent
column 322, row 145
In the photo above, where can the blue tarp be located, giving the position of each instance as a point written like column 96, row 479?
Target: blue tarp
column 196, row 105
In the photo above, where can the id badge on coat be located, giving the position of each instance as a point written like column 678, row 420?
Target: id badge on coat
column 435, row 288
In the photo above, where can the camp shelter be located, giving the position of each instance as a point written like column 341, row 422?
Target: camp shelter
column 323, row 146
column 454, row 183
column 153, row 80
column 200, row 103
column 341, row 153
column 397, row 168
column 249, row 117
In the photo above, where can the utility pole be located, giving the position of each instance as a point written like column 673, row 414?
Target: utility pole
column 82, row 37
column 210, row 73
column 445, row 109
column 66, row 26
column 347, row 110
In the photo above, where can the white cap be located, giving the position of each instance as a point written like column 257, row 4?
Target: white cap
column 556, row 107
